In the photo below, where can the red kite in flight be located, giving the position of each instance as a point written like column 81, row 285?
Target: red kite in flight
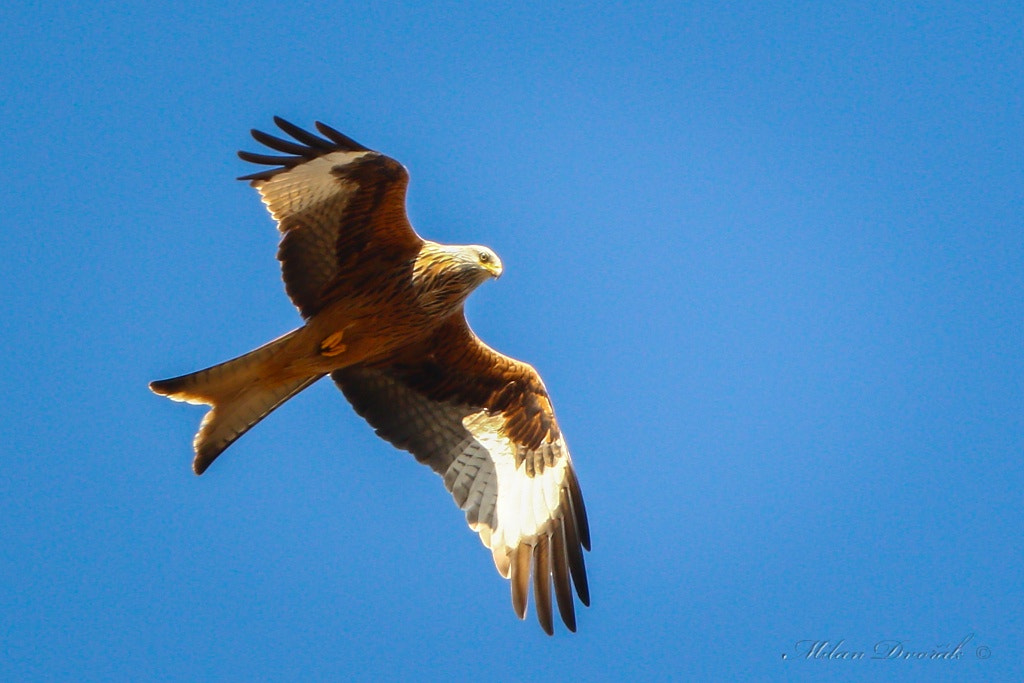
column 383, row 311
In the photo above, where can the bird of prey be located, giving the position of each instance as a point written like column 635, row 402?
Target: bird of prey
column 383, row 316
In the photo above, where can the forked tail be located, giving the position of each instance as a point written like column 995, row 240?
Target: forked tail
column 239, row 395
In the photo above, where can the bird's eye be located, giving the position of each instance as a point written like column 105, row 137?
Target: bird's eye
column 485, row 257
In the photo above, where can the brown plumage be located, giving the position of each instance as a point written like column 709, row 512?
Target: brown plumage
column 383, row 312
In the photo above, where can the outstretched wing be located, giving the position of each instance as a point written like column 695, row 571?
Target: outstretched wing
column 340, row 206
column 483, row 422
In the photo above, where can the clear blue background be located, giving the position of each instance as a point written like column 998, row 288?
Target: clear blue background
column 769, row 259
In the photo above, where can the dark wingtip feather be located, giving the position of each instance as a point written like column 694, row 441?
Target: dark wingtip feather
column 542, row 585
column 520, row 575
column 270, row 159
column 280, row 164
column 279, row 144
column 560, row 576
column 577, row 567
column 306, row 148
column 303, row 136
column 262, row 175
column 580, row 510
column 342, row 140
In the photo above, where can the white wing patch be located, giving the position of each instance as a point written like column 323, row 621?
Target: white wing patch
column 502, row 504
column 305, row 186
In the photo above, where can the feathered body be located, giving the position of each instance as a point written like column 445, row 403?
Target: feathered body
column 384, row 317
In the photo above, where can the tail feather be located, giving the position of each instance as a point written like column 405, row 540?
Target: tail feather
column 226, row 422
column 239, row 395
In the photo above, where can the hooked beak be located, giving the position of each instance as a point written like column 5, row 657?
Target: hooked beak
column 493, row 267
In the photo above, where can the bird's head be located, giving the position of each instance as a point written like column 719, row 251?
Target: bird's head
column 474, row 261
column 450, row 272
column 485, row 259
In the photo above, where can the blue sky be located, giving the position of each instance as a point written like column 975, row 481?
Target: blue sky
column 768, row 258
